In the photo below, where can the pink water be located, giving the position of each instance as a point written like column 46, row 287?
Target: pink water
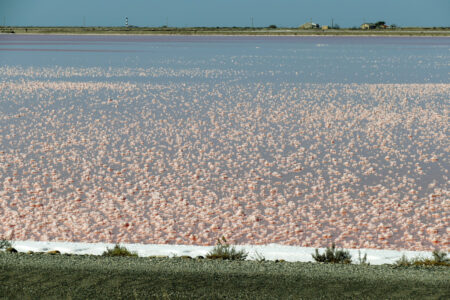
column 87, row 156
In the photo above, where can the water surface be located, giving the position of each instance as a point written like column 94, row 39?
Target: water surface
column 291, row 140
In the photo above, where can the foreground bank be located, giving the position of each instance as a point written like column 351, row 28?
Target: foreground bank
column 82, row 277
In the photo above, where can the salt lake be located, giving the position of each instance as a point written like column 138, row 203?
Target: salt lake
column 180, row 140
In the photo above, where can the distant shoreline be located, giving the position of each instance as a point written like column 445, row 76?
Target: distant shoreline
column 231, row 31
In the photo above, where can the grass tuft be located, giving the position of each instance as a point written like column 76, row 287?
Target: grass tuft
column 258, row 257
column 362, row 260
column 403, row 262
column 225, row 251
column 119, row 251
column 333, row 255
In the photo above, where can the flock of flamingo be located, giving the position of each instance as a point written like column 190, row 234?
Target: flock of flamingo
column 361, row 165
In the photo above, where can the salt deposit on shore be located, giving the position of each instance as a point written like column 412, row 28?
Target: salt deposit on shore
column 268, row 252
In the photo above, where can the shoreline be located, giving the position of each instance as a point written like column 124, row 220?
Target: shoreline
column 222, row 32
column 225, row 35
column 269, row 251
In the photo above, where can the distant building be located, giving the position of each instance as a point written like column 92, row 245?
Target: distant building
column 325, row 27
column 367, row 26
column 310, row 25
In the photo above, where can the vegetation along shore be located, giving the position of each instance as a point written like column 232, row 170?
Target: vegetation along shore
column 270, row 30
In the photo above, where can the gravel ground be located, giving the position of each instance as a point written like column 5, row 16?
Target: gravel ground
column 81, row 277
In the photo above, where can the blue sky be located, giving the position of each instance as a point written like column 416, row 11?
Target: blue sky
column 289, row 13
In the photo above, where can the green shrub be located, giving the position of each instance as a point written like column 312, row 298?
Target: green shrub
column 333, row 255
column 118, row 251
column 439, row 257
column 5, row 244
column 225, row 251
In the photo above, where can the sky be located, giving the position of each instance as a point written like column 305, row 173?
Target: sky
column 189, row 13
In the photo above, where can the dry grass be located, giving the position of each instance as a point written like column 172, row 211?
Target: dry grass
column 439, row 259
